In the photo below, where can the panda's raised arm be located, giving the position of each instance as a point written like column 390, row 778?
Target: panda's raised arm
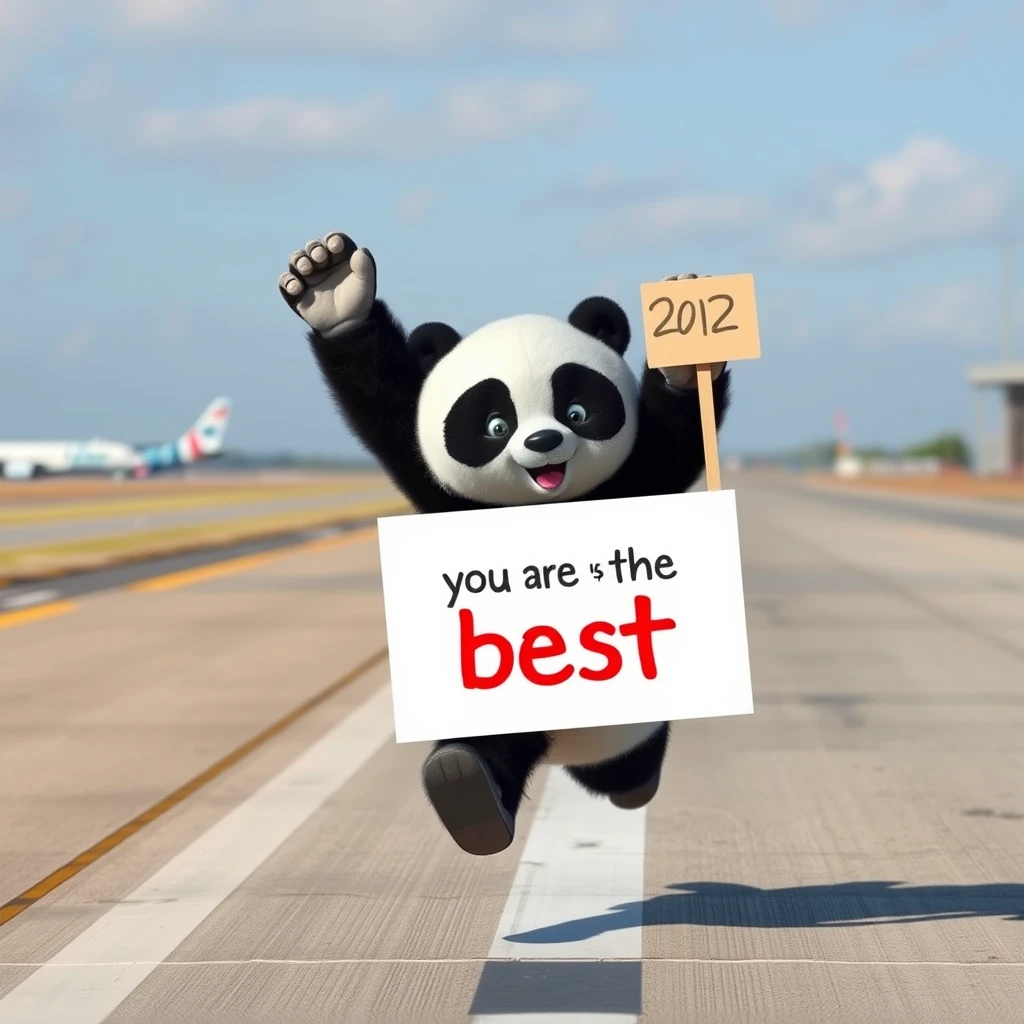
column 374, row 373
column 375, row 376
column 668, row 457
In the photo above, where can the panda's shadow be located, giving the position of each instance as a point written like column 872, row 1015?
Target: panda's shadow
column 842, row 905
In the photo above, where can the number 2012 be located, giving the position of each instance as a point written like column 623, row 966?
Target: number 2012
column 716, row 328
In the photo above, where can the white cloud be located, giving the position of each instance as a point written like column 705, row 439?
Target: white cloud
column 414, row 205
column 659, row 204
column 352, row 26
column 491, row 111
column 468, row 114
column 160, row 15
column 274, row 124
column 19, row 18
column 673, row 217
column 604, row 187
column 798, row 14
column 928, row 191
column 581, row 27
column 356, row 27
column 959, row 313
column 695, row 212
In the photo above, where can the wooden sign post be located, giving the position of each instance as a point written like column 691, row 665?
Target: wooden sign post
column 700, row 322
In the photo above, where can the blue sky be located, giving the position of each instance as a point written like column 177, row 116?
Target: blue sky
column 159, row 160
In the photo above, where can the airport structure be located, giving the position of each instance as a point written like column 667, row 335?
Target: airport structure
column 1008, row 457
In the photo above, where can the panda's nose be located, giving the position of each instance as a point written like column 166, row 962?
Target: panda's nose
column 544, row 440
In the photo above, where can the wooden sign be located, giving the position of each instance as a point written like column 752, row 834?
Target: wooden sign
column 590, row 613
column 701, row 321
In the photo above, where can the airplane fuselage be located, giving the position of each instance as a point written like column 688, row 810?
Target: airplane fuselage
column 29, row 458
column 22, row 460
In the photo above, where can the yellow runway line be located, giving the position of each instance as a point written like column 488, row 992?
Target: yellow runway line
column 36, row 892
column 23, row 616
column 188, row 577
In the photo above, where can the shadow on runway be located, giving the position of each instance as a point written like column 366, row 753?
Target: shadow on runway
column 848, row 904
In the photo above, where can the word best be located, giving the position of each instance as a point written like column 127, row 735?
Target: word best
column 543, row 618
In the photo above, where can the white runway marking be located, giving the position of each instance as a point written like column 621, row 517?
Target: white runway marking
column 441, row 961
column 577, row 895
column 582, row 858
column 109, row 960
column 28, row 598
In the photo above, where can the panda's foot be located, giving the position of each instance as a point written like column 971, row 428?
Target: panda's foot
column 465, row 796
column 633, row 799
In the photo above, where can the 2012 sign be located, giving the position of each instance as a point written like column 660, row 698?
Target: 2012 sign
column 700, row 320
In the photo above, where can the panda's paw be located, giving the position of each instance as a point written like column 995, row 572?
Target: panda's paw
column 331, row 283
column 467, row 799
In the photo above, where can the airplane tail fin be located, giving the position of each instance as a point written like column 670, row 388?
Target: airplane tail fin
column 203, row 440
column 206, row 436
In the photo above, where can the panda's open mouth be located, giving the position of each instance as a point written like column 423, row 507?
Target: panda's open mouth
column 549, row 477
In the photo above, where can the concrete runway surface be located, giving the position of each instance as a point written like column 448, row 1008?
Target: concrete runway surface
column 854, row 851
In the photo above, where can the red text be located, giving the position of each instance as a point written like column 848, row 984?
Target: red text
column 542, row 642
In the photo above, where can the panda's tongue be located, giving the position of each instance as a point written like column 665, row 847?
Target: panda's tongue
column 550, row 477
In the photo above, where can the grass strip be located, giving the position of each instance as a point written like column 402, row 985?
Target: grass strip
column 20, row 565
column 154, row 504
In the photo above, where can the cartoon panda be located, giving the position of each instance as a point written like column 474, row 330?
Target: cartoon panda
column 525, row 410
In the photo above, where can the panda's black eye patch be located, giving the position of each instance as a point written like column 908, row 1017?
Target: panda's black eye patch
column 578, row 388
column 480, row 423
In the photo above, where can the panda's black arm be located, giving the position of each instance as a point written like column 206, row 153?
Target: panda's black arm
column 668, row 456
column 375, row 380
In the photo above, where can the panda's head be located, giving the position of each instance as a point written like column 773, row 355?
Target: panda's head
column 528, row 409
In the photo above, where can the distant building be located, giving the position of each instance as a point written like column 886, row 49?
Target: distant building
column 1007, row 454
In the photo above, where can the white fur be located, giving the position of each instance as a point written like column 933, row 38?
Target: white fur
column 591, row 746
column 523, row 352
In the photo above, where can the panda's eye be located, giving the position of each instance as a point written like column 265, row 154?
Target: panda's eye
column 576, row 413
column 496, row 427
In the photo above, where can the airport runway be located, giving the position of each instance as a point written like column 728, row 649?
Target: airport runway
column 30, row 524
column 211, row 758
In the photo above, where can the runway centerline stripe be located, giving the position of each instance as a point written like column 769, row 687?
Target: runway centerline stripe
column 188, row 577
column 34, row 893
column 149, row 924
column 570, row 937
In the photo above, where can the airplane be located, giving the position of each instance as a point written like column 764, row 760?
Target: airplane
column 24, row 460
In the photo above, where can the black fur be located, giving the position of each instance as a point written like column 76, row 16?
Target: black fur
column 606, row 413
column 627, row 771
column 375, row 375
column 375, row 379
column 432, row 342
column 603, row 319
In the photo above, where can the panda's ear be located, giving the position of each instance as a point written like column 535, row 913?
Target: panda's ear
column 429, row 342
column 603, row 319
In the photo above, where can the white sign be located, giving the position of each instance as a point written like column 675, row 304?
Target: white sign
column 540, row 618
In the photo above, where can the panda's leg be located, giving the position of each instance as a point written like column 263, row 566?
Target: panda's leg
column 475, row 785
column 631, row 779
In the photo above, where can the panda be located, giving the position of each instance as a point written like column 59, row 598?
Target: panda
column 525, row 410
